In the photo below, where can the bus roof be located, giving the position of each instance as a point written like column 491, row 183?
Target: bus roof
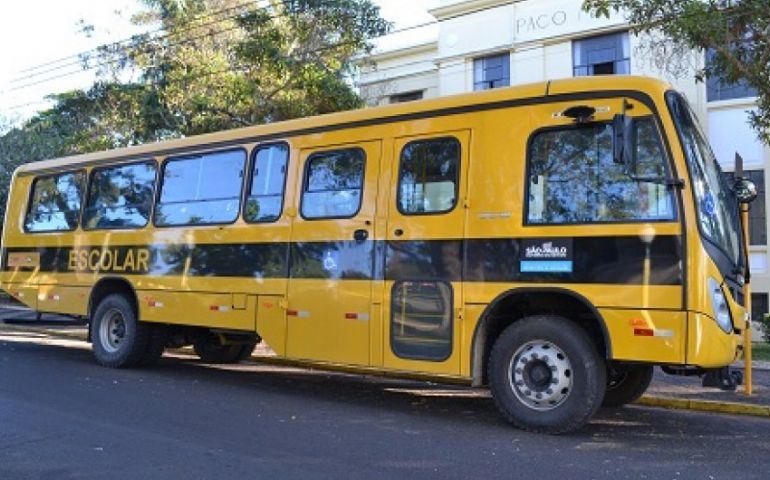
column 359, row 117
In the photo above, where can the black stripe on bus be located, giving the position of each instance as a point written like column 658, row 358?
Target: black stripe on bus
column 607, row 260
column 404, row 117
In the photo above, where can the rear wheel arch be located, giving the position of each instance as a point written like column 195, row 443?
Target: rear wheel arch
column 518, row 303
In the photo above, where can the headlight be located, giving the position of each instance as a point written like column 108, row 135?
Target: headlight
column 719, row 304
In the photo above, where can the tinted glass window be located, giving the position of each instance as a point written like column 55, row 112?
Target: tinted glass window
column 421, row 320
column 602, row 55
column 267, row 183
column 55, row 203
column 428, row 176
column 120, row 197
column 492, row 72
column 201, row 189
column 333, row 184
column 574, row 179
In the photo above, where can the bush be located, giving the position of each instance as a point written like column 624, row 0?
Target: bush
column 764, row 322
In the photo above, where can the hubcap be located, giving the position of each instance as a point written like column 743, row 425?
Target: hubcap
column 541, row 375
column 112, row 331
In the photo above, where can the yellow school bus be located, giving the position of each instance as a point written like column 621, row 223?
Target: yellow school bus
column 552, row 241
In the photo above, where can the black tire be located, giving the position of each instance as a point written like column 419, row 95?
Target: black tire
column 209, row 349
column 155, row 346
column 626, row 383
column 119, row 339
column 562, row 378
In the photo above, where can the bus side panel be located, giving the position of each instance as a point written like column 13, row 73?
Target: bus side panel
column 215, row 310
column 61, row 299
column 646, row 335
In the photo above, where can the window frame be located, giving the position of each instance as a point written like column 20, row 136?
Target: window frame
column 483, row 81
column 668, row 170
column 457, row 180
column 193, row 154
column 306, row 179
column 118, row 165
column 452, row 320
column 252, row 164
column 31, row 196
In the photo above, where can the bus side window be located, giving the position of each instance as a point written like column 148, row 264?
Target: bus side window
column 333, row 184
column 573, row 178
column 428, row 176
column 202, row 189
column 421, row 320
column 55, row 203
column 268, row 181
column 120, row 197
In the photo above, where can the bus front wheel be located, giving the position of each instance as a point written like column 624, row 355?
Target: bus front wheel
column 119, row 339
column 626, row 383
column 546, row 375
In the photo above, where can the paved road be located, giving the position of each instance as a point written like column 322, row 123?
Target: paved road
column 62, row 417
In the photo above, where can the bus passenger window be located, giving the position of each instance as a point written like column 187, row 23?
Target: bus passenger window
column 428, row 176
column 200, row 190
column 120, row 197
column 421, row 320
column 265, row 200
column 333, row 184
column 574, row 179
column 55, row 204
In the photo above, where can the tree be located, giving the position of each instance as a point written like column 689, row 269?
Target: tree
column 736, row 33
column 227, row 63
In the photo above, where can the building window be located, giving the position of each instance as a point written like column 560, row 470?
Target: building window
column 757, row 216
column 492, row 72
column 268, row 179
column 406, row 97
column 120, row 197
column 716, row 89
column 55, row 204
column 759, row 306
column 203, row 189
column 333, row 184
column 602, row 55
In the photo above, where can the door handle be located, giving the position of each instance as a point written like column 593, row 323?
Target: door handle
column 360, row 235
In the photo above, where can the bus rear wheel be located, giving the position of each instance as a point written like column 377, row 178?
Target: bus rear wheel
column 210, row 349
column 119, row 339
column 626, row 383
column 546, row 375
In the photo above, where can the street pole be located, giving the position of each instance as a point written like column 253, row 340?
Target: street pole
column 748, row 386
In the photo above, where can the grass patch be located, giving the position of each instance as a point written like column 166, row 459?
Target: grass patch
column 760, row 351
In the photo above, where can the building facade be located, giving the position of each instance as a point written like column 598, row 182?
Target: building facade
column 481, row 44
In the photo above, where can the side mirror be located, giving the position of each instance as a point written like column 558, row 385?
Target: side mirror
column 745, row 190
column 623, row 142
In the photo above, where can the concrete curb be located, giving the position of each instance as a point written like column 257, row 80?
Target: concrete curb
column 733, row 408
column 47, row 331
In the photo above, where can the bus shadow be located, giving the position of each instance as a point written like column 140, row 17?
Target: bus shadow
column 473, row 408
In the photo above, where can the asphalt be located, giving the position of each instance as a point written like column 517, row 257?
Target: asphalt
column 63, row 417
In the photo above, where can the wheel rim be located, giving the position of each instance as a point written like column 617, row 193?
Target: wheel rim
column 112, row 330
column 540, row 375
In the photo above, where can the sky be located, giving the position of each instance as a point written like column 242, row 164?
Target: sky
column 49, row 50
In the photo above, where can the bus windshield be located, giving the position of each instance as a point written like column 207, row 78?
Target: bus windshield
column 715, row 201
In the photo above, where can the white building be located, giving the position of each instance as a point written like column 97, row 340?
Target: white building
column 480, row 44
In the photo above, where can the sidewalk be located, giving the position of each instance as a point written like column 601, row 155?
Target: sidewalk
column 667, row 391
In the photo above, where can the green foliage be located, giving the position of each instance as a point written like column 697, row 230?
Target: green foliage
column 764, row 321
column 738, row 32
column 206, row 65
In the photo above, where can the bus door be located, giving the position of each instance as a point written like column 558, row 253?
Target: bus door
column 332, row 254
column 423, row 257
